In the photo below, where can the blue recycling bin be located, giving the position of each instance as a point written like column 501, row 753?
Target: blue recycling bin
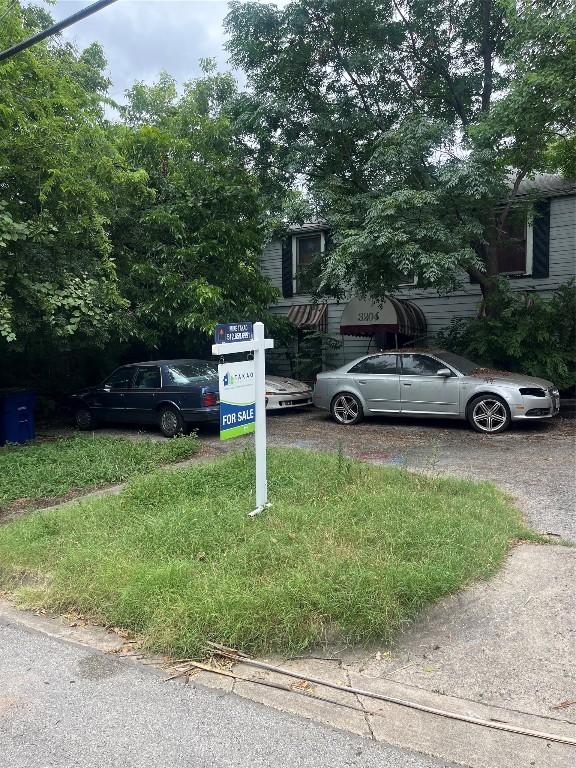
column 16, row 416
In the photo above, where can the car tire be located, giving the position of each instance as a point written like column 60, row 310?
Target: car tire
column 346, row 409
column 84, row 419
column 170, row 421
column 488, row 414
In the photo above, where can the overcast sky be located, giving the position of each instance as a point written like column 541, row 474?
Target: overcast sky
column 142, row 37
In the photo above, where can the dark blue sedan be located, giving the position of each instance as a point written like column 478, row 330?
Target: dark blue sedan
column 169, row 393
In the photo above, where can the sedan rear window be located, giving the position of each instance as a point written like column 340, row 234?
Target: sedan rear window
column 147, row 378
column 190, row 372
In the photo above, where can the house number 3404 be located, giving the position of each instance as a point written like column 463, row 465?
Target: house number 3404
column 368, row 316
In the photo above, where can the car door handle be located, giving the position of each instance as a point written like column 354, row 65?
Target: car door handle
column 407, row 383
column 362, row 382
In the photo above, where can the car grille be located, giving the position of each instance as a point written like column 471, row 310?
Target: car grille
column 538, row 412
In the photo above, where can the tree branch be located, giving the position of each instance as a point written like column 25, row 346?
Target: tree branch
column 486, row 49
column 436, row 68
column 353, row 79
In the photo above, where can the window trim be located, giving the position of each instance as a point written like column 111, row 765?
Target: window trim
column 295, row 238
column 409, row 285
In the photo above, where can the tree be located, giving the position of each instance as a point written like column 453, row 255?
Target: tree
column 412, row 123
column 59, row 173
column 189, row 257
column 145, row 230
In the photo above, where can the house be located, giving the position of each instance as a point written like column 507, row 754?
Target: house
column 540, row 255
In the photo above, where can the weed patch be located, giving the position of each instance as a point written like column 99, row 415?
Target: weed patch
column 347, row 549
column 53, row 468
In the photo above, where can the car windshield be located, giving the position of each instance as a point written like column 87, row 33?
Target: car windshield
column 461, row 364
column 191, row 371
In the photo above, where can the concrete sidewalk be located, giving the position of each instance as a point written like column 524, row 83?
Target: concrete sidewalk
column 64, row 705
column 501, row 650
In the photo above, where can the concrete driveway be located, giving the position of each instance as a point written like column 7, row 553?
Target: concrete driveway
column 535, row 463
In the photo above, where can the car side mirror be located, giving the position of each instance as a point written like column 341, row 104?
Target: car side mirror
column 446, row 372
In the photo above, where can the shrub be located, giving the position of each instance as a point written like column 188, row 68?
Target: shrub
column 531, row 335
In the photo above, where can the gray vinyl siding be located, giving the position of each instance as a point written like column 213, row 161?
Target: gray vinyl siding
column 440, row 309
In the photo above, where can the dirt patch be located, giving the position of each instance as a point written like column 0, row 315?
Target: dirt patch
column 18, row 507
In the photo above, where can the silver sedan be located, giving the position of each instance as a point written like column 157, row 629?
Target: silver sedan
column 433, row 383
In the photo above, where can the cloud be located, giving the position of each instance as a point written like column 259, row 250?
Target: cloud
column 142, row 37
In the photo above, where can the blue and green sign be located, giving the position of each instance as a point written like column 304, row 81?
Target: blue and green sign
column 237, row 399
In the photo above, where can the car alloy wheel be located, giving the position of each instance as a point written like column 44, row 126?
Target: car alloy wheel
column 171, row 423
column 489, row 415
column 346, row 409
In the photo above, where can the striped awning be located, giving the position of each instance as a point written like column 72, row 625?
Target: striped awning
column 364, row 318
column 308, row 316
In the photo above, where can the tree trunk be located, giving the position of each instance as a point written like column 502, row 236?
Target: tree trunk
column 491, row 304
column 488, row 281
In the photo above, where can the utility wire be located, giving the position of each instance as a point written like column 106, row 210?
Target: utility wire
column 54, row 29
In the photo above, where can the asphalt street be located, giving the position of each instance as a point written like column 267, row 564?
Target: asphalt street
column 64, row 705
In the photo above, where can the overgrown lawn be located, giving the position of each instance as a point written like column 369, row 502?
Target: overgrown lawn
column 348, row 550
column 55, row 467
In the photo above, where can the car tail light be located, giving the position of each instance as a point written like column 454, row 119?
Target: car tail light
column 209, row 399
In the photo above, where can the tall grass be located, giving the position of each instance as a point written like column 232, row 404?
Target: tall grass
column 346, row 550
column 55, row 467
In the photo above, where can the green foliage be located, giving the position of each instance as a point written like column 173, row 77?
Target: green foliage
column 410, row 121
column 190, row 257
column 313, row 352
column 59, row 172
column 529, row 334
column 146, row 230
column 561, row 156
column 347, row 550
column 53, row 468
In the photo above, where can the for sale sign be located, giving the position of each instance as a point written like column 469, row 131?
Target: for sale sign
column 237, row 399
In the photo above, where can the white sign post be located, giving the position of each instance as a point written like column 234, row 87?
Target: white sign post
column 257, row 345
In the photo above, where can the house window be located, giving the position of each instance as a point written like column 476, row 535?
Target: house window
column 407, row 281
column 305, row 248
column 514, row 249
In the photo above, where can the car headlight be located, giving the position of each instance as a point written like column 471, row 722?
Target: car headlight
column 532, row 391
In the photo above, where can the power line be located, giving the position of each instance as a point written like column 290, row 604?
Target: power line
column 54, row 29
